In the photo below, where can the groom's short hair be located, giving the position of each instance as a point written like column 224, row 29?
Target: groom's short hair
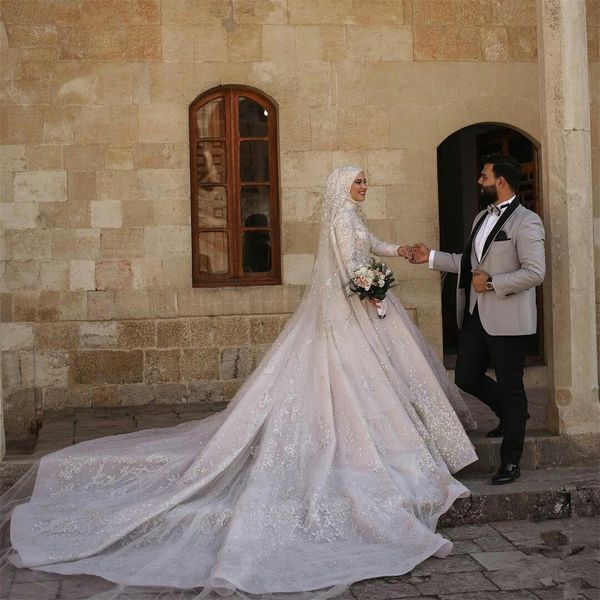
column 507, row 167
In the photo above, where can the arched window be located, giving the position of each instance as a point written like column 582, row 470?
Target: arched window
column 235, row 190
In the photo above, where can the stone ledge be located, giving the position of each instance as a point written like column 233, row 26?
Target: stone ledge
column 538, row 495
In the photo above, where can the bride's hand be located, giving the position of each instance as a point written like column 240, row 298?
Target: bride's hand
column 376, row 303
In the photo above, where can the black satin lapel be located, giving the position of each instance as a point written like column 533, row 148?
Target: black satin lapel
column 505, row 216
column 465, row 261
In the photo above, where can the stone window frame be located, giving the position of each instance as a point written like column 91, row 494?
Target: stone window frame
column 236, row 276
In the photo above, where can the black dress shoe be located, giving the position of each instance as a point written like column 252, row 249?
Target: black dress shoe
column 506, row 474
column 496, row 432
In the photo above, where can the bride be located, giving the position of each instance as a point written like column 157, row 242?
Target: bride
column 331, row 465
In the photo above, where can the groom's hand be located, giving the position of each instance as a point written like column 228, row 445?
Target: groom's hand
column 480, row 278
column 420, row 253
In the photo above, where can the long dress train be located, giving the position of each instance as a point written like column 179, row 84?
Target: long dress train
column 332, row 464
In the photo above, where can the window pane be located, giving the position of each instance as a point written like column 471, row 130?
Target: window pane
column 213, row 253
column 256, row 250
column 212, row 206
column 253, row 119
column 210, row 119
column 211, row 163
column 256, row 206
column 254, row 161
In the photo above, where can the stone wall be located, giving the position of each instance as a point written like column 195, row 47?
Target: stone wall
column 95, row 170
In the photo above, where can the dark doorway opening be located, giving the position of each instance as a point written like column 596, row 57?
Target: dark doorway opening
column 460, row 159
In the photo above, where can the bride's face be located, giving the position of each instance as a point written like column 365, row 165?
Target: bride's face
column 358, row 189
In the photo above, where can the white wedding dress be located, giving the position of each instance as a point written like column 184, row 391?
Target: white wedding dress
column 331, row 465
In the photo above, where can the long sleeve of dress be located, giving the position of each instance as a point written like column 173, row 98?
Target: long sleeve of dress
column 382, row 248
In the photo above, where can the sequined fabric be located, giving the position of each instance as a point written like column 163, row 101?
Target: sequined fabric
column 332, row 464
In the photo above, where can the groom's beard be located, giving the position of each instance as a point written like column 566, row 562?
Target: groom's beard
column 489, row 193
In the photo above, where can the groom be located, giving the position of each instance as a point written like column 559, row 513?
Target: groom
column 498, row 270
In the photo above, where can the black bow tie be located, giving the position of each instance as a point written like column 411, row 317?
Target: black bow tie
column 496, row 210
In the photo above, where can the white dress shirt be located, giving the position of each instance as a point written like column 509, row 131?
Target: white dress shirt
column 483, row 232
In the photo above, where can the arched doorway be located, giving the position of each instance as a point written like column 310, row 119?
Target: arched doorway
column 459, row 161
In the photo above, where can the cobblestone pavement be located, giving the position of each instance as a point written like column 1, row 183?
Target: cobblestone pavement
column 508, row 560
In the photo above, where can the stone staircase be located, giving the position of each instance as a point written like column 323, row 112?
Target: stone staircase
column 560, row 476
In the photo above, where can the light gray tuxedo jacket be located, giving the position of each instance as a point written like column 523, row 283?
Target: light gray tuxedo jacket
column 513, row 254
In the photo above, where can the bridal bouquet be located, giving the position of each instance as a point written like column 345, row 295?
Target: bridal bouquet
column 372, row 281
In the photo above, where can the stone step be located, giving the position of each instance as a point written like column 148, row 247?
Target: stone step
column 542, row 450
column 537, row 495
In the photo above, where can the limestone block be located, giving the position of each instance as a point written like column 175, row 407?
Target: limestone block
column 40, row 186
column 135, row 394
column 147, row 273
column 82, row 275
column 51, row 368
column 229, row 331
column 12, row 157
column 117, row 185
column 205, row 391
column 56, row 336
column 160, row 156
column 25, row 306
column 28, row 244
column 298, row 168
column 16, row 336
column 122, row 243
column 297, row 268
column 321, row 43
column 106, row 213
column 141, row 84
column 172, row 333
column 19, row 215
column 427, row 230
column 45, row 157
column 307, row 11
column 170, row 393
column 132, row 304
column 75, row 243
column 73, row 306
column 163, row 302
column 161, row 366
column 123, row 124
column 113, row 274
column 92, row 125
column 300, row 238
column 177, row 272
column 11, row 371
column 108, row 366
column 100, row 305
column 278, row 43
column 236, row 363
column 82, row 187
column 244, row 44
column 19, row 414
column 21, row 275
column 404, row 125
column 98, row 335
column 144, row 42
column 200, row 364
column 231, row 388
column 379, row 42
column 264, row 329
column 385, row 167
column 293, row 204
column 75, row 396
column 172, row 211
column 21, row 124
column 136, row 334
column 176, row 44
column 494, row 43
column 137, row 213
column 167, row 242
column 80, row 157
column 522, row 43
column 163, row 123
column 294, row 129
column 118, row 157
column 200, row 332
column 163, row 184
column 6, row 308
column 59, row 123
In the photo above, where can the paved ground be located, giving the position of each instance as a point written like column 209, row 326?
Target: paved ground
column 516, row 560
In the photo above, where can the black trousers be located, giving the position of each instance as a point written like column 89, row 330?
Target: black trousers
column 505, row 396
